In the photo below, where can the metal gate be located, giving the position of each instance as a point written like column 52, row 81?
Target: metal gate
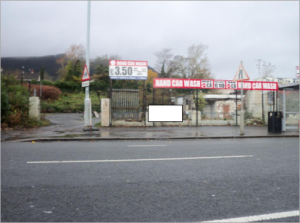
column 125, row 104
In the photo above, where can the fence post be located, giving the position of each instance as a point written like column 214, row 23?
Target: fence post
column 153, row 99
column 144, row 103
column 110, row 97
column 236, row 121
column 262, row 105
column 273, row 101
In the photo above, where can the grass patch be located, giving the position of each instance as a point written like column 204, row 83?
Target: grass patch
column 98, row 124
column 28, row 123
column 70, row 102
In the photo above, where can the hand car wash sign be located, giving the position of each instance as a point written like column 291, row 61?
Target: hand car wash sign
column 128, row 70
column 213, row 84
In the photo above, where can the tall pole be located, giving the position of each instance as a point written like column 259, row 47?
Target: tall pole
column 87, row 101
column 241, row 77
column 236, row 110
column 197, row 108
column 111, row 102
column 144, row 102
column 242, row 111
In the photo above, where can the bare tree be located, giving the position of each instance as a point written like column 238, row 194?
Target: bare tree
column 75, row 52
column 267, row 69
column 163, row 58
column 62, row 62
column 104, row 60
column 195, row 65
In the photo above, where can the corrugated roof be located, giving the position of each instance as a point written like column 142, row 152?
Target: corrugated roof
column 294, row 85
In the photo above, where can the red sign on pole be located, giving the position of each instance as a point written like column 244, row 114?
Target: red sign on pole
column 85, row 75
column 213, row 84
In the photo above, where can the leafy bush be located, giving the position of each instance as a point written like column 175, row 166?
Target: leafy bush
column 5, row 106
column 44, row 82
column 68, row 86
column 35, row 82
column 48, row 92
column 99, row 85
column 14, row 102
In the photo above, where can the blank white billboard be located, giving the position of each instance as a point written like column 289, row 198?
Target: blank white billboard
column 165, row 113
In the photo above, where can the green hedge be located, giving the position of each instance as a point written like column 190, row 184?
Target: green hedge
column 68, row 86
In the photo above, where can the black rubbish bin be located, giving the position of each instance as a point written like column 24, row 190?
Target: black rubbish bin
column 275, row 122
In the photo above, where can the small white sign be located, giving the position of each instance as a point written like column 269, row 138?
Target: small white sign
column 85, row 83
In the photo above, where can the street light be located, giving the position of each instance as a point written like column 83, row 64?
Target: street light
column 22, row 76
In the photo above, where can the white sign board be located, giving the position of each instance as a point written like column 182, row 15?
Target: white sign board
column 85, row 83
column 128, row 70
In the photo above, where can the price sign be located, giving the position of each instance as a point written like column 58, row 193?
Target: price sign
column 231, row 85
column 128, row 70
column 219, row 84
column 207, row 84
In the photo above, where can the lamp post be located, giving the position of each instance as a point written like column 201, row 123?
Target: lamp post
column 87, row 101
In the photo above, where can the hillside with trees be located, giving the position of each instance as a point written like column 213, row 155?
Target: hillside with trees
column 12, row 64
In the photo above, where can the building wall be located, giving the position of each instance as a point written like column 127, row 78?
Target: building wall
column 182, row 101
column 214, row 109
column 253, row 104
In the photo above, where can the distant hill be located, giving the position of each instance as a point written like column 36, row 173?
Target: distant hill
column 35, row 63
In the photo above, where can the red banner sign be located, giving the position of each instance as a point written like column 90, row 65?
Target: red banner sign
column 213, row 84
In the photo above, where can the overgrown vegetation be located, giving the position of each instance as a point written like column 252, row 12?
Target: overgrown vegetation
column 48, row 92
column 15, row 105
column 70, row 102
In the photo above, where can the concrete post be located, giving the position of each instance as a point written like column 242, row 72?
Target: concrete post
column 242, row 111
column 105, row 112
column 34, row 107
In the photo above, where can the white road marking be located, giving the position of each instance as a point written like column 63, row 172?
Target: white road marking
column 263, row 217
column 143, row 145
column 138, row 160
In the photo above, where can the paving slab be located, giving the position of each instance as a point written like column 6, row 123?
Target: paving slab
column 69, row 126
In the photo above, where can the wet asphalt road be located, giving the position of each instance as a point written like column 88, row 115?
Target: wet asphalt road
column 70, row 125
column 164, row 190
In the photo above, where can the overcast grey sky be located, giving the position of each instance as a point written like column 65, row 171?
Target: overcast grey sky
column 233, row 31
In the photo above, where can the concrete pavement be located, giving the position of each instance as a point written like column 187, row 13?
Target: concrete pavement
column 70, row 127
